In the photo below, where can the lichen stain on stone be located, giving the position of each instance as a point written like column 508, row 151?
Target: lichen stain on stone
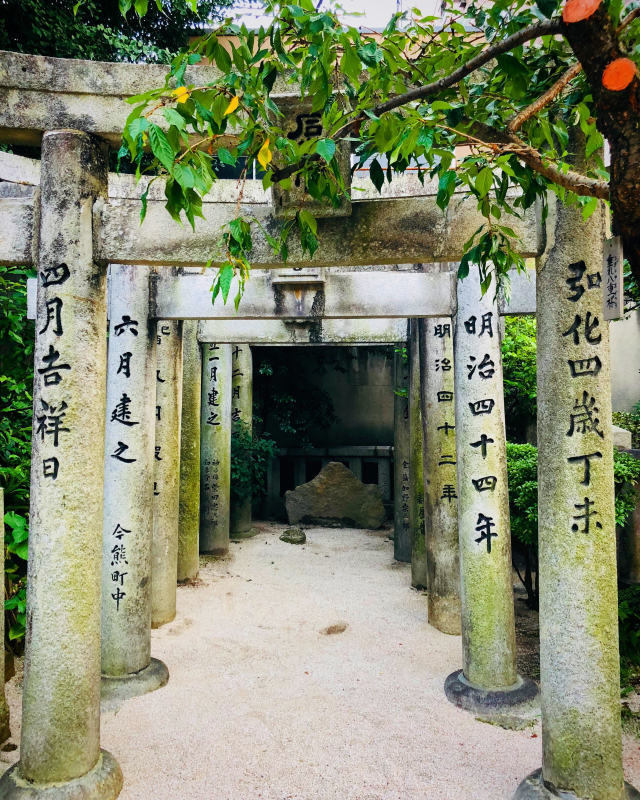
column 278, row 300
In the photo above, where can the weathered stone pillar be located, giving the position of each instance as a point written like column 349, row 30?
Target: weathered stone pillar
column 215, row 448
column 242, row 415
column 189, row 517
column 416, row 476
column 166, row 490
column 384, row 478
column 127, row 666
column 579, row 661
column 488, row 681
column 441, row 481
column 5, row 731
column 401, row 489
column 355, row 465
column 273, row 499
column 300, row 469
column 61, row 698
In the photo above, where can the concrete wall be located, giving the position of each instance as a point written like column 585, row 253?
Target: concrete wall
column 359, row 382
column 362, row 397
column 625, row 362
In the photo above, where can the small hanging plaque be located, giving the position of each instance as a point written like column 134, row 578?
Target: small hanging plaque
column 613, row 282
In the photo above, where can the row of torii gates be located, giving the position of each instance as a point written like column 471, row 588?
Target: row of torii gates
column 91, row 597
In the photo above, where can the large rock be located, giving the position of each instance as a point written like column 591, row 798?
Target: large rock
column 335, row 498
column 621, row 438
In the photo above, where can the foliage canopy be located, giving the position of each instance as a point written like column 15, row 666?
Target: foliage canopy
column 97, row 30
column 486, row 102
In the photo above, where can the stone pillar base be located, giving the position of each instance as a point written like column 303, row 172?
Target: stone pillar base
column 114, row 690
column 522, row 697
column 444, row 614
column 218, row 552
column 534, row 788
column 5, row 728
column 238, row 536
column 158, row 623
column 103, row 782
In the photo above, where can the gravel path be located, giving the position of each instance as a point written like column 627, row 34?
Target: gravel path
column 310, row 673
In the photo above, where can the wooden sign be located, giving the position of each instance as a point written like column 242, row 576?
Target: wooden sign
column 613, row 281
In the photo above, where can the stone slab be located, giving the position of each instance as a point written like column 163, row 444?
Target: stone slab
column 340, row 295
column 386, row 231
column 336, row 497
column 316, row 331
column 520, row 297
column 353, row 451
column 346, row 332
column 18, row 216
column 19, row 169
column 39, row 93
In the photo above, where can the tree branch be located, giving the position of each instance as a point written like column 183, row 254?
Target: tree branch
column 518, row 120
column 628, row 19
column 597, row 46
column 571, row 180
column 547, row 28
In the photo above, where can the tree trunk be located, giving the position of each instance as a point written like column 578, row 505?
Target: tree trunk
column 595, row 43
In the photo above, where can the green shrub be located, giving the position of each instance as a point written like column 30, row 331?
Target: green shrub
column 16, row 380
column 250, row 456
column 630, row 421
column 519, row 375
column 626, row 471
column 522, row 470
column 629, row 627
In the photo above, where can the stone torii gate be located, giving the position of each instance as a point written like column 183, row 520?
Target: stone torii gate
column 296, row 296
column 275, row 297
column 73, row 228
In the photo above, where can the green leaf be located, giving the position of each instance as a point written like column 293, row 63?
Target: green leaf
column 376, row 174
column 225, row 157
column 446, row 188
column 134, row 129
column 326, row 149
column 237, row 231
column 594, row 142
column 589, row 207
column 21, row 550
column 184, row 175
column 225, row 277
column 141, row 6
column 547, row 7
column 238, row 297
column 222, row 59
column 143, row 208
column 309, row 220
column 174, row 118
column 350, row 64
column 16, row 632
column 484, row 181
column 370, row 54
column 160, row 146
column 425, row 138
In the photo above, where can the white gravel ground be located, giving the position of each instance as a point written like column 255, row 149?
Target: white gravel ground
column 262, row 705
